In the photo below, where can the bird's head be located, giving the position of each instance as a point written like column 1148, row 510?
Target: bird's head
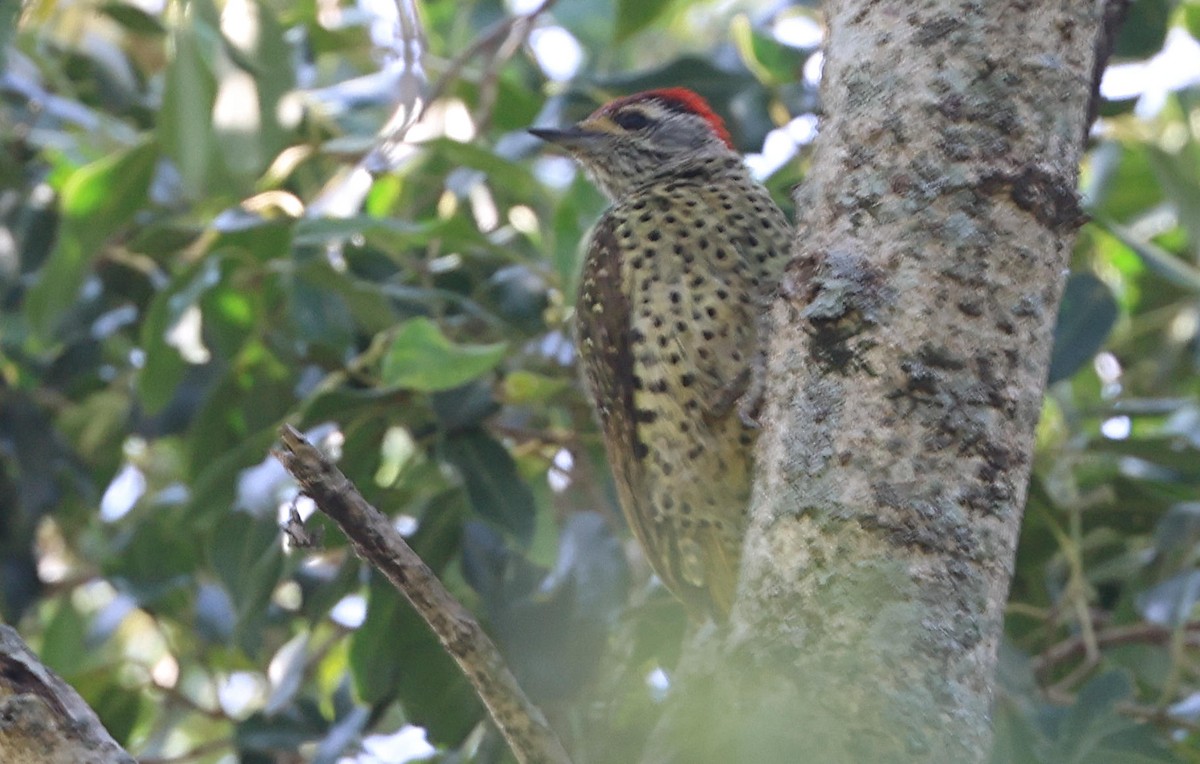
column 632, row 139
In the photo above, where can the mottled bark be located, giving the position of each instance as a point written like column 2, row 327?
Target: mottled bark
column 42, row 719
column 905, row 382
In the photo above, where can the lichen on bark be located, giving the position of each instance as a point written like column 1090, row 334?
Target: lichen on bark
column 906, row 372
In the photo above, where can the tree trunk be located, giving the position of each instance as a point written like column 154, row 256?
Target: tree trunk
column 42, row 719
column 905, row 381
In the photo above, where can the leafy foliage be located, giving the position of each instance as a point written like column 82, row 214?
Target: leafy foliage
column 168, row 297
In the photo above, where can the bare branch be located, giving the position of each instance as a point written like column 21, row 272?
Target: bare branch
column 376, row 540
column 1076, row 646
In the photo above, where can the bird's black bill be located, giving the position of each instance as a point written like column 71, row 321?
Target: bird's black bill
column 559, row 137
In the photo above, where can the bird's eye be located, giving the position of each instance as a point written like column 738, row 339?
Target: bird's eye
column 631, row 120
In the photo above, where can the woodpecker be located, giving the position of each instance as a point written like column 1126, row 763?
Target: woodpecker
column 670, row 321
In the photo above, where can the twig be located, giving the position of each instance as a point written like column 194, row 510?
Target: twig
column 377, row 540
column 1074, row 647
column 494, row 37
column 1157, row 715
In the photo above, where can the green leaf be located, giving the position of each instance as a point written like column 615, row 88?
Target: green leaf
column 1191, row 19
column 252, row 139
column 1016, row 737
column 402, row 233
column 245, row 553
column 422, row 358
column 158, row 559
column 8, row 25
column 517, row 103
column 635, row 15
column 770, row 62
column 1094, row 718
column 330, row 305
column 281, row 732
column 1171, row 602
column 1177, row 177
column 1121, row 182
column 1157, row 259
column 1144, row 30
column 63, row 648
column 526, row 387
column 493, row 484
column 133, row 18
column 159, row 378
column 215, row 484
column 1085, row 318
column 502, row 173
column 97, row 200
column 119, row 709
column 1164, row 451
column 185, row 117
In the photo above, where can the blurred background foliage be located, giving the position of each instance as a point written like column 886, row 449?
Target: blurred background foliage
column 217, row 217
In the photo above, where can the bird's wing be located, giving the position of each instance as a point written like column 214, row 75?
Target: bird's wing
column 603, row 335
